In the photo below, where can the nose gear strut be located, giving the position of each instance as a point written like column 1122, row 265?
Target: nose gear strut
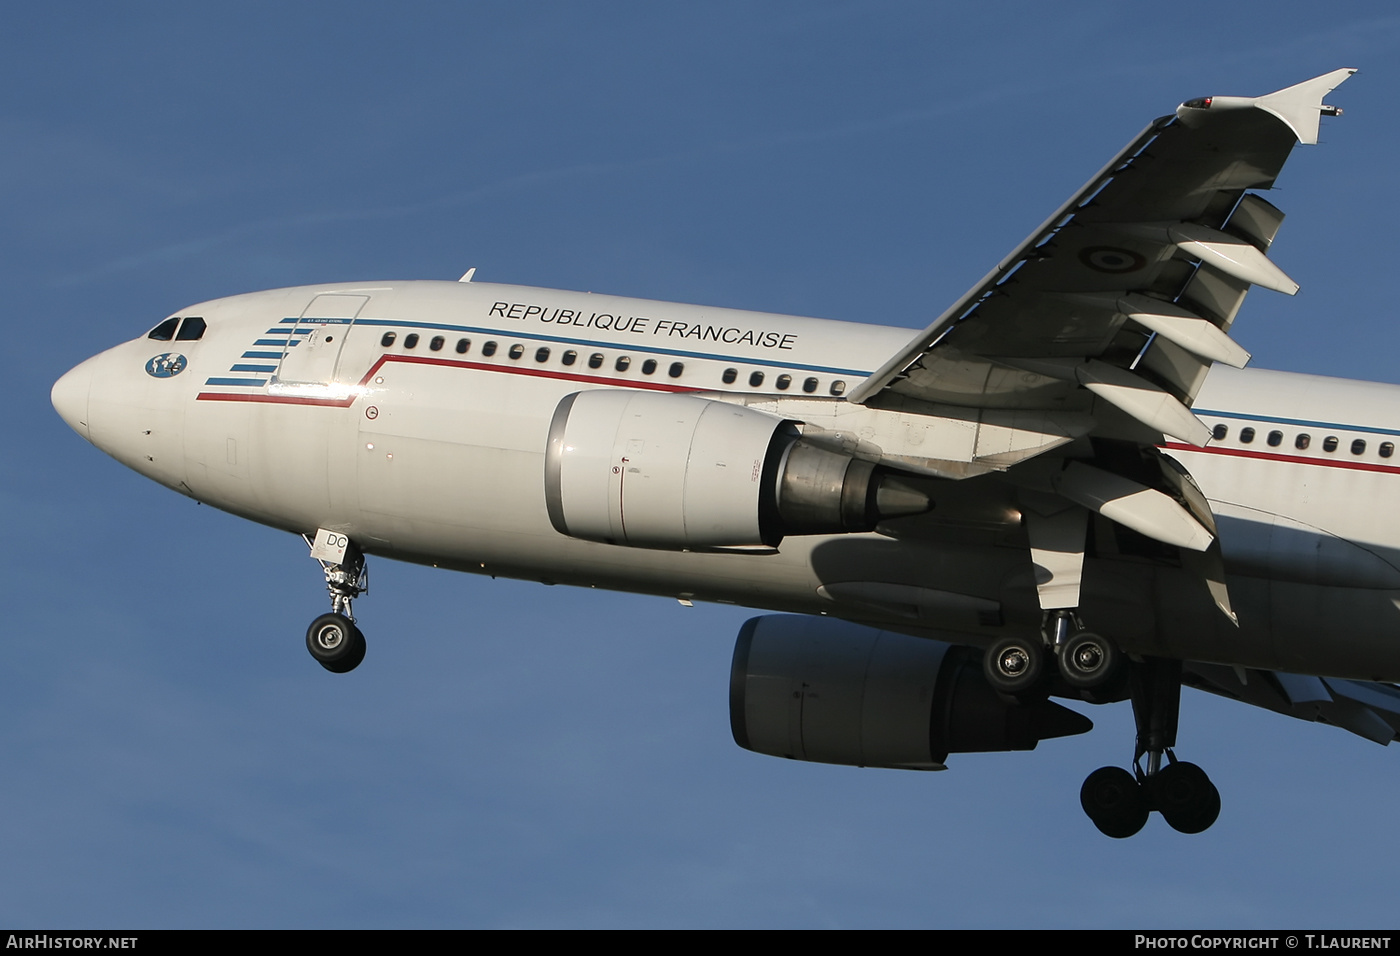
column 333, row 639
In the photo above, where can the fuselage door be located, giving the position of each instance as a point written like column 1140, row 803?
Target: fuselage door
column 313, row 349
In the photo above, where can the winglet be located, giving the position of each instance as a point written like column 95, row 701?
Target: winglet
column 1299, row 107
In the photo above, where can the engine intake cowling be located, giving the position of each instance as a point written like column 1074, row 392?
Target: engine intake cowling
column 835, row 692
column 680, row 472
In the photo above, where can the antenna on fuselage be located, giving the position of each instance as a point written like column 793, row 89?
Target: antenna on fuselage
column 467, row 276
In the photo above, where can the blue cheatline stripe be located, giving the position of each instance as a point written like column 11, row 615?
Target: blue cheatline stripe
column 614, row 346
column 253, row 368
column 1300, row 422
column 270, row 342
column 255, row 382
column 278, row 332
column 271, row 355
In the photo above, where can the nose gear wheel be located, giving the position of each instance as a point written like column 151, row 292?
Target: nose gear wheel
column 333, row 639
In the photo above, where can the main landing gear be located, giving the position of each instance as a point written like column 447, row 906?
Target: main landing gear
column 333, row 639
column 1086, row 661
column 1091, row 667
column 1119, row 802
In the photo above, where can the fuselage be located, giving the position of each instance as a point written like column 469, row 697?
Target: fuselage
column 414, row 417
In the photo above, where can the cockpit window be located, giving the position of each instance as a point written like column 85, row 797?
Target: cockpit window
column 192, row 329
column 165, row 331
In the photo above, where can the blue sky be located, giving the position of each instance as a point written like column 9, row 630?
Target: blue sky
column 516, row 755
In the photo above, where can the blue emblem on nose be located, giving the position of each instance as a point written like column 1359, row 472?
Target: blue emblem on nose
column 166, row 365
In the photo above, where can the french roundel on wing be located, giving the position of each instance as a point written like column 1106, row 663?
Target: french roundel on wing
column 1114, row 260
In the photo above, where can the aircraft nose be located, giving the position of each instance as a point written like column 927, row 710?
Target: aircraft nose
column 70, row 397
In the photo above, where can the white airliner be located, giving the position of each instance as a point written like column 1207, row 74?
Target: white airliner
column 1061, row 487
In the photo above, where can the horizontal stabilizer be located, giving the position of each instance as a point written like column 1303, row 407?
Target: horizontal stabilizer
column 1369, row 710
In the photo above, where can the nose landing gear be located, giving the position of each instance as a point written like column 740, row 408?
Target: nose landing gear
column 333, row 639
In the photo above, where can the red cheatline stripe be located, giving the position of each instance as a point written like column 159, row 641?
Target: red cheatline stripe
column 449, row 363
column 1295, row 459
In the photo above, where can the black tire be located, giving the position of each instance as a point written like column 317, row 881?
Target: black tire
column 1185, row 797
column 1014, row 665
column 1088, row 660
column 336, row 643
column 1113, row 801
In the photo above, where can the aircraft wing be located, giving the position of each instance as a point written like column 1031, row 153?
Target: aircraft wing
column 1119, row 303
column 1082, row 351
column 1368, row 710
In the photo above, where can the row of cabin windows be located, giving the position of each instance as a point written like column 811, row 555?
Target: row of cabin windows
column 622, row 363
column 191, row 330
column 517, row 351
column 783, row 382
column 1302, row 441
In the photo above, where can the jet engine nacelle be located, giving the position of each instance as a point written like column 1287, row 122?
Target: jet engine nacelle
column 681, row 472
column 835, row 692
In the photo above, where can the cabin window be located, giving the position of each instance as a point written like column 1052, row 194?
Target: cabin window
column 488, row 348
column 623, row 363
column 165, row 331
column 809, row 385
column 1302, row 442
column 1329, row 443
column 1275, row 439
column 410, row 341
column 595, row 360
column 541, row 354
column 569, row 357
column 516, row 350
column 387, row 339
column 1358, row 447
column 1386, row 449
column 463, row 345
column 730, row 374
column 838, row 387
column 1246, row 435
column 191, row 330
column 783, row 381
column 649, row 367
column 437, row 343
column 756, row 379
column 675, row 370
